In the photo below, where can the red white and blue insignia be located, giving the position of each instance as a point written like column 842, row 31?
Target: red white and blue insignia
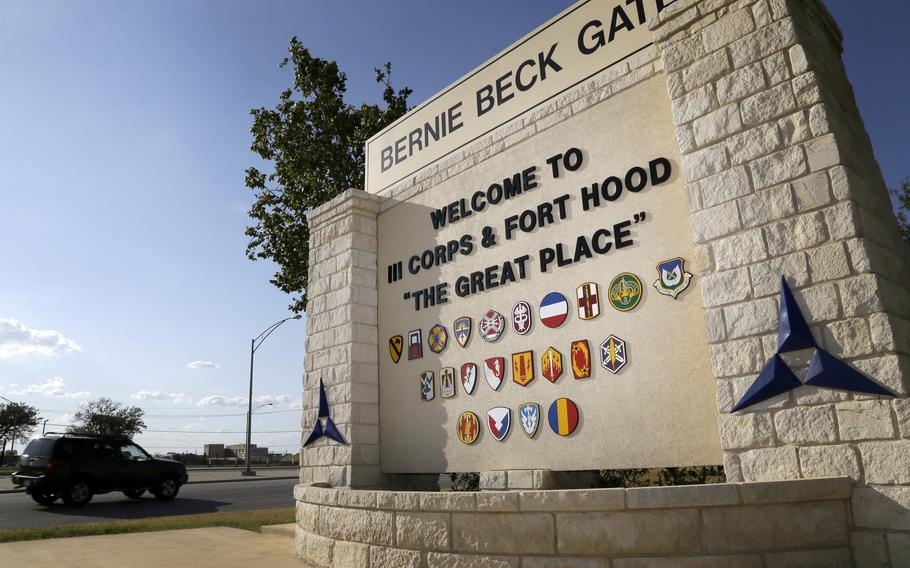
column 499, row 420
column 672, row 277
column 462, row 330
column 447, row 382
column 613, row 354
column 438, row 338
column 588, row 301
column 553, row 309
column 427, row 385
column 491, row 326
column 494, row 369
column 415, row 345
column 469, row 377
column 521, row 318
column 529, row 418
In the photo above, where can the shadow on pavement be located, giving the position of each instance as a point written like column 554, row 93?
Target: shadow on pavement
column 146, row 507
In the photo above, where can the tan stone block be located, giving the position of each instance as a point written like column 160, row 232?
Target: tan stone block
column 798, row 233
column 902, row 409
column 501, row 501
column 886, row 462
column 830, row 558
column 440, row 560
column 705, row 163
column 754, row 143
column 439, row 501
column 812, row 192
column 769, row 464
column 869, row 549
column 350, row 555
column 800, row 490
column 717, row 124
column 725, row 287
column 735, row 358
column 751, row 318
column 422, row 531
column 741, row 83
column 628, row 532
column 693, row 105
column 768, row 105
column 306, row 516
column 767, row 205
column 540, row 562
column 314, row 549
column 739, row 250
column 823, row 152
column 770, row 527
column 819, row 303
column 779, row 167
column 766, row 275
column 371, row 527
column 726, row 561
column 572, row 500
column 382, row 557
column 762, row 43
column 725, row 186
column 709, row 224
column 705, row 70
column 881, row 507
column 682, row 496
column 356, row 497
column 806, row 425
column 744, row 431
column 503, row 533
column 829, row 461
column 727, row 29
column 865, row 420
column 491, row 480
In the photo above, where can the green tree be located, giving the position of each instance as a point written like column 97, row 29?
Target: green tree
column 315, row 143
column 902, row 211
column 17, row 422
column 108, row 418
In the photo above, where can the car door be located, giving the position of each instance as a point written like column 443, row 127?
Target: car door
column 104, row 466
column 138, row 469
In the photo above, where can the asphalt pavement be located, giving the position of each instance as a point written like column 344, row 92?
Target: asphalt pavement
column 17, row 510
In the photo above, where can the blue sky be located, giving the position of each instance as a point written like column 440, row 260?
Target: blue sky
column 124, row 135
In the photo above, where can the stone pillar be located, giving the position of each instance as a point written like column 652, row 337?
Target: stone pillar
column 341, row 346
column 782, row 181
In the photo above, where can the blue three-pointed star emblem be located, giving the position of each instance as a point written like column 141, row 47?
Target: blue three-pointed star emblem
column 329, row 431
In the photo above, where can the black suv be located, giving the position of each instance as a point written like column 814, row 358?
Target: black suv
column 77, row 466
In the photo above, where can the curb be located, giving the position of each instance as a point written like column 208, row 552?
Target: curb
column 5, row 491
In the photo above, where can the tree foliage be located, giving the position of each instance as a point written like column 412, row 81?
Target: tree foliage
column 108, row 418
column 315, row 143
column 18, row 421
column 902, row 212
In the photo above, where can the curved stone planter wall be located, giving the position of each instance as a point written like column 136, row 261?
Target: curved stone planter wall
column 789, row 523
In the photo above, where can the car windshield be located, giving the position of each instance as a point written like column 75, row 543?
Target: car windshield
column 39, row 448
column 132, row 452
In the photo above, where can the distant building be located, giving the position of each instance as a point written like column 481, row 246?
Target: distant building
column 213, row 451
column 257, row 454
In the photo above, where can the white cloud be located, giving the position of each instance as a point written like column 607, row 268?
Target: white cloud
column 218, row 400
column 52, row 387
column 202, row 365
column 18, row 339
column 157, row 395
column 241, row 401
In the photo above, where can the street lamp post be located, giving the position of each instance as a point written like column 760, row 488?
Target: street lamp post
column 3, row 451
column 254, row 345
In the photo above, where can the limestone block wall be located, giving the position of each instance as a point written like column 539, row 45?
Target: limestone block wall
column 792, row 523
column 782, row 181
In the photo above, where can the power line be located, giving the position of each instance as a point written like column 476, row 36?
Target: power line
column 206, row 431
column 234, row 414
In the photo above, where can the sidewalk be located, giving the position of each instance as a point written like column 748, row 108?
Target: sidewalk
column 203, row 476
column 218, row 546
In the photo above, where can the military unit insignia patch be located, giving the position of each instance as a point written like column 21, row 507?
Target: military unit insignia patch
column 529, row 418
column 438, row 338
column 551, row 364
column 581, row 359
column 523, row 367
column 396, row 344
column 563, row 416
column 468, row 427
column 499, row 420
column 588, row 301
column 613, row 354
column 462, row 329
column 469, row 377
column 553, row 309
column 491, row 326
column 625, row 292
column 415, row 345
column 521, row 318
column 427, row 385
column 672, row 277
column 494, row 369
column 447, row 382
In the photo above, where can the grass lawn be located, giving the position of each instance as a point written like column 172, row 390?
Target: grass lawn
column 247, row 520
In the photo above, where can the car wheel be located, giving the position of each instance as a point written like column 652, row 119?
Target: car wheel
column 78, row 493
column 167, row 489
column 46, row 499
column 134, row 493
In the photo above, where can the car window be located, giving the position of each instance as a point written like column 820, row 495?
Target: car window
column 39, row 448
column 104, row 451
column 68, row 449
column 131, row 452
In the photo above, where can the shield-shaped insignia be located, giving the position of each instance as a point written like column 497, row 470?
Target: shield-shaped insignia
column 672, row 277
column 462, row 328
column 468, row 427
column 499, row 420
column 521, row 318
column 563, row 416
column 447, row 382
column 415, row 345
column 523, row 367
column 427, row 385
column 396, row 344
column 469, row 377
column 553, row 309
column 588, row 301
column 613, row 354
column 551, row 364
column 494, row 369
column 581, row 359
column 529, row 417
column 491, row 326
column 625, row 291
column 438, row 338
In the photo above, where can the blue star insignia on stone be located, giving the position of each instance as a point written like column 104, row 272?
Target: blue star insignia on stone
column 825, row 370
column 329, row 431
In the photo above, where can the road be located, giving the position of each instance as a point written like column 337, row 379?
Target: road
column 17, row 510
